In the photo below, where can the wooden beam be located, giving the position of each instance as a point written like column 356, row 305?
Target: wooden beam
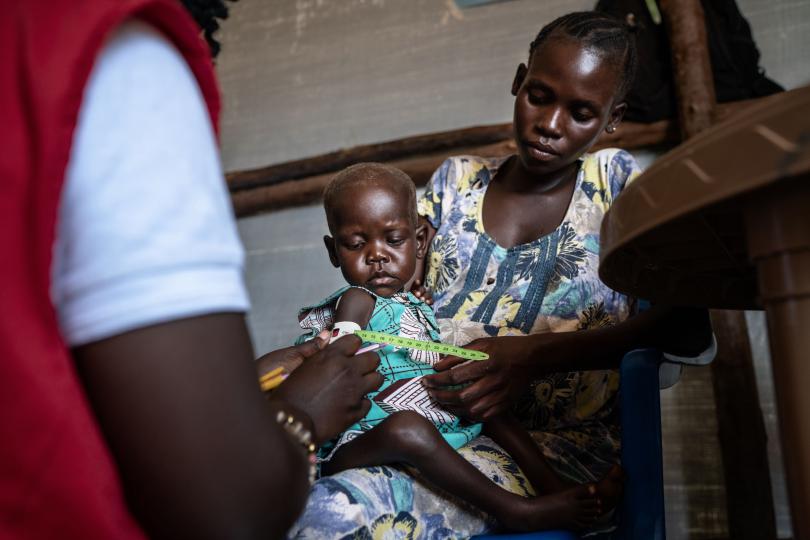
column 302, row 181
column 309, row 190
column 386, row 151
column 268, row 192
column 291, row 183
column 741, row 429
column 629, row 135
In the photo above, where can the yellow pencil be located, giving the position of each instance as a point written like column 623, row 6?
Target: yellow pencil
column 269, row 384
column 271, row 374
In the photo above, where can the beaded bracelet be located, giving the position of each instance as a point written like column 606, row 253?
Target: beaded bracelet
column 303, row 436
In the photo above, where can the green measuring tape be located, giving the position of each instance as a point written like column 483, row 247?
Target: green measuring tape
column 408, row 343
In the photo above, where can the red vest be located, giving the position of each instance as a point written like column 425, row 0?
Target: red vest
column 57, row 478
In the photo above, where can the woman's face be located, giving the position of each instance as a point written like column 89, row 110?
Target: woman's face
column 563, row 100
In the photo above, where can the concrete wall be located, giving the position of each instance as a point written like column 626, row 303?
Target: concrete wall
column 781, row 29
column 308, row 76
column 304, row 77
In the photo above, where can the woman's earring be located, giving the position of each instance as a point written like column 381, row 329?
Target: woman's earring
column 610, row 129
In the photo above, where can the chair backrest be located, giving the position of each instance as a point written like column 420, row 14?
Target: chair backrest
column 642, row 508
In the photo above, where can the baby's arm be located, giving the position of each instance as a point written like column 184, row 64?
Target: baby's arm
column 355, row 305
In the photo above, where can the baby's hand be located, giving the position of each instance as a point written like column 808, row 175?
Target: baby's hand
column 422, row 292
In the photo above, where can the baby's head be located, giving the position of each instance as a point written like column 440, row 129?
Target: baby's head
column 374, row 237
column 580, row 69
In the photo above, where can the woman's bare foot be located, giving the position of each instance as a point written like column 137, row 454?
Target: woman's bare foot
column 574, row 509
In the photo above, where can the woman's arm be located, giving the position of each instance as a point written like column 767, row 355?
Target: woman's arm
column 181, row 410
column 517, row 360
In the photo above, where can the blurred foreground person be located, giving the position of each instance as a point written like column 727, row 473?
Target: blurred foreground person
column 130, row 405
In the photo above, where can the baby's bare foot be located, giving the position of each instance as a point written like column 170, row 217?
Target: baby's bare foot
column 573, row 509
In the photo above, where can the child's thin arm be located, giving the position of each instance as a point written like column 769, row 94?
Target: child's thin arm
column 355, row 305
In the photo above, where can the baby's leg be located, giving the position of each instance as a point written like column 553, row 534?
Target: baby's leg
column 512, row 437
column 517, row 442
column 407, row 437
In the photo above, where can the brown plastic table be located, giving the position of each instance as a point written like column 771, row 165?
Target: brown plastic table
column 723, row 221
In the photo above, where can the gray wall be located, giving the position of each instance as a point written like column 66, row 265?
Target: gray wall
column 304, row 77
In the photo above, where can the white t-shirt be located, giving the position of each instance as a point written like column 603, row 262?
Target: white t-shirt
column 146, row 232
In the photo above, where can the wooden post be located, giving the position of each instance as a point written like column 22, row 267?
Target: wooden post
column 694, row 84
column 300, row 182
column 386, row 151
column 741, row 430
column 743, row 440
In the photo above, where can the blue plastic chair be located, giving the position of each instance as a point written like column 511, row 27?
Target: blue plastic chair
column 641, row 513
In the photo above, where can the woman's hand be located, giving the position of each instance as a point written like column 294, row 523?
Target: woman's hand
column 492, row 385
column 422, row 292
column 330, row 386
column 290, row 358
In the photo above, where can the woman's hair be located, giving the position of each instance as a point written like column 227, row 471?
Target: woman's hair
column 369, row 174
column 206, row 13
column 609, row 36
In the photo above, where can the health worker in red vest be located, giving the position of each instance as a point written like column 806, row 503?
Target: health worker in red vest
column 129, row 404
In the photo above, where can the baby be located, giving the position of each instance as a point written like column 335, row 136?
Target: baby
column 375, row 240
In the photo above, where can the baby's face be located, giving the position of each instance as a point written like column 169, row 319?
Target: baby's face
column 375, row 243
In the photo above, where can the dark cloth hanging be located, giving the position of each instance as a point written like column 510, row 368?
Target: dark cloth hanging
column 734, row 57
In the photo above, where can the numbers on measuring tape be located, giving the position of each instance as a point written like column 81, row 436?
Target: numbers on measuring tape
column 431, row 346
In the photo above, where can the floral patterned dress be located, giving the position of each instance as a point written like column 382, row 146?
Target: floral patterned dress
column 482, row 289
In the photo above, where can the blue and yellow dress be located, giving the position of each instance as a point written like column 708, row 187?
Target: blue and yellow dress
column 551, row 284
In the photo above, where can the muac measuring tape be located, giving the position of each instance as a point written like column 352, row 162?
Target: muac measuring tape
column 408, row 343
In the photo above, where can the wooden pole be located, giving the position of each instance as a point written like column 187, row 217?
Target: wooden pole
column 310, row 189
column 741, row 429
column 694, row 84
column 292, row 183
column 629, row 135
column 386, row 151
